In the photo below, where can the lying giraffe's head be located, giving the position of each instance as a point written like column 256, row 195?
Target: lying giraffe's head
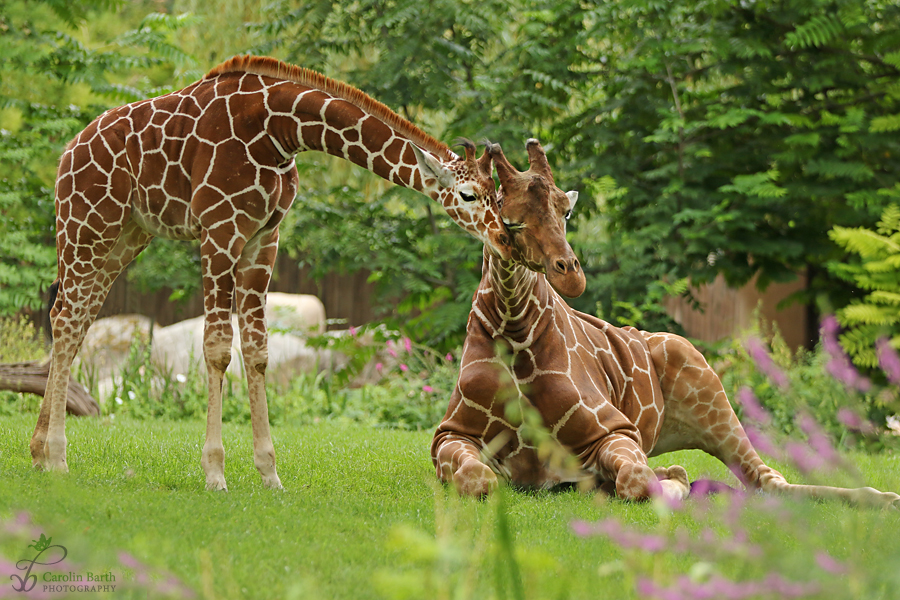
column 535, row 212
column 464, row 186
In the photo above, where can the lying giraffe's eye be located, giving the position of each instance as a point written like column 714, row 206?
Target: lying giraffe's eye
column 514, row 226
column 467, row 197
column 568, row 214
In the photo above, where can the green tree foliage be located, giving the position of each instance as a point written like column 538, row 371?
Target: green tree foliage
column 742, row 131
column 877, row 273
column 706, row 137
column 52, row 84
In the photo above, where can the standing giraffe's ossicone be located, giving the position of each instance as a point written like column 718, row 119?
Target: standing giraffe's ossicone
column 215, row 162
column 609, row 396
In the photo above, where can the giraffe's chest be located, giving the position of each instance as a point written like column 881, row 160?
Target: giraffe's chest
column 586, row 382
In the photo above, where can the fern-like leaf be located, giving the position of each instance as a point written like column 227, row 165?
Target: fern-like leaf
column 816, row 32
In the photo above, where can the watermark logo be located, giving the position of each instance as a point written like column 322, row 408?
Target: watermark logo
column 42, row 545
column 48, row 555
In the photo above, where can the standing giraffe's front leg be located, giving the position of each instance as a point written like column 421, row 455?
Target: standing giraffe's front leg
column 253, row 273
column 218, row 266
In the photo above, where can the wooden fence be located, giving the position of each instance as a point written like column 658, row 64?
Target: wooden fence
column 727, row 312
column 348, row 297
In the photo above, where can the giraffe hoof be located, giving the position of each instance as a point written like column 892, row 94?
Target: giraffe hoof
column 216, row 484
column 474, row 479
column 57, row 466
column 272, row 482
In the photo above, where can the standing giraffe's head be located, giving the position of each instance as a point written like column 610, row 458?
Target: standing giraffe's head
column 465, row 188
column 535, row 212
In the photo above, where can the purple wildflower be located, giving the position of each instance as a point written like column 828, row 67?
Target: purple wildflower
column 818, row 440
column 839, row 366
column 889, row 360
column 854, row 422
column 752, row 408
column 625, row 538
column 719, row 587
column 761, row 442
column 805, row 459
column 765, row 363
column 830, row 564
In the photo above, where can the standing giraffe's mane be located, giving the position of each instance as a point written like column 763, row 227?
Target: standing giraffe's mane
column 271, row 67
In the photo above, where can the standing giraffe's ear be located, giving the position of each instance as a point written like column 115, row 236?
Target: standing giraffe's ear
column 432, row 167
column 573, row 198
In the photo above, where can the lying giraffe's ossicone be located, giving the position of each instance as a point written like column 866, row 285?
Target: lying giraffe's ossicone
column 215, row 162
column 610, row 396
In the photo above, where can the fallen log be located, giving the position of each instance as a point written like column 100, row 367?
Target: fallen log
column 31, row 377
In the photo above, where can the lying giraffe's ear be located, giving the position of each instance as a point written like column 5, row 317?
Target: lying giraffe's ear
column 573, row 198
column 432, row 167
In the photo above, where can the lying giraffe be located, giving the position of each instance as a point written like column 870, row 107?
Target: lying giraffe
column 610, row 396
column 215, row 162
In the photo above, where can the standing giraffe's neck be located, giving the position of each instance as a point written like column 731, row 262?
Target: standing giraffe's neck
column 305, row 110
column 512, row 300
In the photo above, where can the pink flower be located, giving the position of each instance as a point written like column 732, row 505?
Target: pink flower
column 889, row 360
column 407, row 344
column 427, row 388
column 765, row 363
column 390, row 347
column 828, row 563
column 752, row 408
column 839, row 366
column 449, row 357
column 854, row 422
column 353, row 331
column 404, row 368
column 379, row 367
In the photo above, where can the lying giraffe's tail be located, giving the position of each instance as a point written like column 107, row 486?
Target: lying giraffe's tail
column 698, row 415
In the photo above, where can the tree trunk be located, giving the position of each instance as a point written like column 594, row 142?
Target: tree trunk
column 31, row 377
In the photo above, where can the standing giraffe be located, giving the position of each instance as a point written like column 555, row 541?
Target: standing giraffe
column 610, row 396
column 215, row 162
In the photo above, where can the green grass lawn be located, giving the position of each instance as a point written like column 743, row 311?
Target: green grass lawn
column 361, row 516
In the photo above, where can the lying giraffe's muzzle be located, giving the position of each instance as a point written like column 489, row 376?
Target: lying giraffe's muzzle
column 565, row 275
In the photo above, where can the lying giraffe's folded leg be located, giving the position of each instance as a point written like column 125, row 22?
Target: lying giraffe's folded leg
column 619, row 458
column 458, row 460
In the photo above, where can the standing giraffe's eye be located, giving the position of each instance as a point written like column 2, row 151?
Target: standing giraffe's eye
column 467, row 197
column 568, row 214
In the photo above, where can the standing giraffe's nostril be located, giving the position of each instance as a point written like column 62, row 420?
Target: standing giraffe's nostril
column 575, row 265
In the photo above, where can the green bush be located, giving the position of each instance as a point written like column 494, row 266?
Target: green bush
column 807, row 384
column 877, row 273
column 411, row 392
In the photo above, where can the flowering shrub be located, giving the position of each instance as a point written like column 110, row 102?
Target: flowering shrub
column 823, row 385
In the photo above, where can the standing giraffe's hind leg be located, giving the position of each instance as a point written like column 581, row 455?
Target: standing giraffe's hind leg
column 79, row 298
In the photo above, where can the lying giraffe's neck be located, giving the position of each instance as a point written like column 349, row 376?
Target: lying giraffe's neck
column 512, row 301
